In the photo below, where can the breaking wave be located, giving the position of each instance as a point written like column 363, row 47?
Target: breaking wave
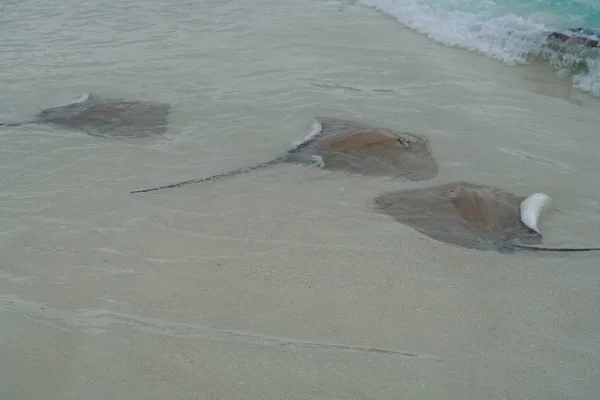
column 511, row 31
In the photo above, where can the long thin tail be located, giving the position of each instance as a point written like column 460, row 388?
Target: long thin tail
column 18, row 123
column 290, row 155
column 561, row 249
column 275, row 161
column 14, row 123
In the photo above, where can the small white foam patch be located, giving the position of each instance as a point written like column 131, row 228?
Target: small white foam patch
column 319, row 162
column 589, row 82
column 82, row 98
column 317, row 127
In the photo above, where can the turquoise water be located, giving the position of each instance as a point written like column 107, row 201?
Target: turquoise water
column 584, row 13
column 510, row 31
column 568, row 13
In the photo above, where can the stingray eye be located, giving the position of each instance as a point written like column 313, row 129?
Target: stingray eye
column 404, row 141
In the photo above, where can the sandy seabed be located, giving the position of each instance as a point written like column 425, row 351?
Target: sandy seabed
column 285, row 283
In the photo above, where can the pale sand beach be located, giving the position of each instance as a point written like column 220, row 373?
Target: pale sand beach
column 286, row 283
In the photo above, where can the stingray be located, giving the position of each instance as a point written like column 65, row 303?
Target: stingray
column 471, row 216
column 351, row 147
column 576, row 36
column 107, row 117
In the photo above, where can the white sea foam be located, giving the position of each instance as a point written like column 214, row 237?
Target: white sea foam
column 492, row 30
column 316, row 130
column 83, row 98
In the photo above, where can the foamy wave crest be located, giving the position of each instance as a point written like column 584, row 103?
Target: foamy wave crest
column 493, row 30
column 589, row 82
column 580, row 62
column 508, row 38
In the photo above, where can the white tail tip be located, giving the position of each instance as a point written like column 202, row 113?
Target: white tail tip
column 531, row 208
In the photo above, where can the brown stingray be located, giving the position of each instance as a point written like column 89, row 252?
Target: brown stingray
column 368, row 150
column 108, row 117
column 351, row 147
column 122, row 118
column 467, row 215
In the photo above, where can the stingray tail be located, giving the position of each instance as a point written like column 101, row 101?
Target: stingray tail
column 17, row 123
column 12, row 123
column 238, row 171
column 557, row 249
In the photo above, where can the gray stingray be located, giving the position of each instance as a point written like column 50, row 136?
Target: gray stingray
column 576, row 36
column 351, row 147
column 467, row 215
column 107, row 117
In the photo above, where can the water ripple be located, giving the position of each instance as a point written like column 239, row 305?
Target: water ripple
column 100, row 321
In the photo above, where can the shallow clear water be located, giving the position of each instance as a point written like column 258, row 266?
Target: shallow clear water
column 245, row 287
